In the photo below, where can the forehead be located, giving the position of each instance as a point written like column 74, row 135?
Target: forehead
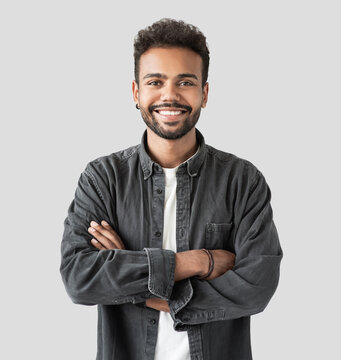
column 170, row 61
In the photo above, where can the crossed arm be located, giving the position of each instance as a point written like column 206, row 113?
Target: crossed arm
column 187, row 264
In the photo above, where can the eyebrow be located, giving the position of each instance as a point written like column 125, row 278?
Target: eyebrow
column 187, row 75
column 163, row 76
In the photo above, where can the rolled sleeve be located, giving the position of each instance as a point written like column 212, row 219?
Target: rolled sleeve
column 161, row 272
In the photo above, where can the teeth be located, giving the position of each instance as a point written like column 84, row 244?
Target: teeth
column 167, row 113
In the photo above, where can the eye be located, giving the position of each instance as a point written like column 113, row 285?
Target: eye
column 185, row 83
column 154, row 83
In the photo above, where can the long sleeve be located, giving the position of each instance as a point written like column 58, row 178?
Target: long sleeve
column 248, row 287
column 109, row 276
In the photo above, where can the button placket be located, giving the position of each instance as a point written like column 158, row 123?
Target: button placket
column 183, row 210
column 158, row 179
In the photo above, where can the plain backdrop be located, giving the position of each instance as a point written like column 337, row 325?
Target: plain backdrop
column 65, row 99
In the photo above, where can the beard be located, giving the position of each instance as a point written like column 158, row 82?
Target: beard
column 154, row 125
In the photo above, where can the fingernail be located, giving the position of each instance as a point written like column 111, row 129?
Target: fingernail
column 93, row 223
column 104, row 222
column 92, row 229
column 94, row 240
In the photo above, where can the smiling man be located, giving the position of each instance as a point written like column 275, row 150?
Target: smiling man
column 172, row 239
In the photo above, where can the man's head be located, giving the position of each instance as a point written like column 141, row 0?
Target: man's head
column 171, row 69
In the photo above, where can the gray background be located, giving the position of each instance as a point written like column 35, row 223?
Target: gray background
column 65, row 91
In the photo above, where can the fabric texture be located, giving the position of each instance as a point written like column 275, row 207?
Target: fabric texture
column 170, row 344
column 223, row 202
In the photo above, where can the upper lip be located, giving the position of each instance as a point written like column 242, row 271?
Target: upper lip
column 170, row 109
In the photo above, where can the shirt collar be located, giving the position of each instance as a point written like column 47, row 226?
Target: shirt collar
column 193, row 164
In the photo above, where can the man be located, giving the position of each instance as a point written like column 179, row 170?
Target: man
column 172, row 239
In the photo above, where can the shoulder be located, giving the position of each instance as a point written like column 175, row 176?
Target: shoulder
column 232, row 163
column 236, row 170
column 108, row 165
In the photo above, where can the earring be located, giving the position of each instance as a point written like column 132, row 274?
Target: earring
column 137, row 107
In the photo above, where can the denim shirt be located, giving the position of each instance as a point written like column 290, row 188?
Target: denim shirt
column 223, row 202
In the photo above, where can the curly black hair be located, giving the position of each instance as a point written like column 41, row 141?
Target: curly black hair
column 168, row 33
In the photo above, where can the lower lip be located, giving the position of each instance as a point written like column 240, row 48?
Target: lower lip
column 171, row 117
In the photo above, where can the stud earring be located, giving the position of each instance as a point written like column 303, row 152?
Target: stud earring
column 137, row 107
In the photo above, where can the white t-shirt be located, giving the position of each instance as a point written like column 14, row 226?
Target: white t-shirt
column 171, row 344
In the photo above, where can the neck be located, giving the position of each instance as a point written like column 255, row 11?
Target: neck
column 171, row 153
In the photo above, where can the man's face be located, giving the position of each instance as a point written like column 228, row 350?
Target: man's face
column 170, row 92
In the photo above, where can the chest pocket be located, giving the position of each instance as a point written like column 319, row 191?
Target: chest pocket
column 218, row 236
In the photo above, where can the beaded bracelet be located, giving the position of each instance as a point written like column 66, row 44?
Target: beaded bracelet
column 210, row 267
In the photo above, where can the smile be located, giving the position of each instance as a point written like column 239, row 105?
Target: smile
column 170, row 112
column 170, row 115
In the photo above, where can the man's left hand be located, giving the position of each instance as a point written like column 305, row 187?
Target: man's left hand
column 106, row 238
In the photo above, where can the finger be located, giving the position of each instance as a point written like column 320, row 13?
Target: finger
column 97, row 244
column 102, row 239
column 107, row 227
column 109, row 233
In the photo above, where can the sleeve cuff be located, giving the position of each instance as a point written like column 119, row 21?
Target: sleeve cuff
column 181, row 295
column 161, row 272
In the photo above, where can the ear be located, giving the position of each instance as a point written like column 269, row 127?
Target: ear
column 135, row 89
column 204, row 95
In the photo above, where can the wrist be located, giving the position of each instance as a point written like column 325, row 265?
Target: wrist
column 202, row 263
column 209, row 257
column 190, row 263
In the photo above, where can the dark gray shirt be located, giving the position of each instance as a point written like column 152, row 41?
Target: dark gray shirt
column 223, row 202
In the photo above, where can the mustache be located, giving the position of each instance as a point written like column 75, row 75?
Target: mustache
column 151, row 108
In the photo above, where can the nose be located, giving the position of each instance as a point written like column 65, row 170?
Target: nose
column 169, row 93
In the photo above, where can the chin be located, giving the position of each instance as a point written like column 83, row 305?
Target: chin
column 184, row 128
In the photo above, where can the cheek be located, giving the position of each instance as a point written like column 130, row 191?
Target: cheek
column 148, row 97
column 197, row 101
column 196, row 97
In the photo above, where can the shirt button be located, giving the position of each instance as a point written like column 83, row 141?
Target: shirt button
column 158, row 234
column 159, row 191
column 153, row 321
